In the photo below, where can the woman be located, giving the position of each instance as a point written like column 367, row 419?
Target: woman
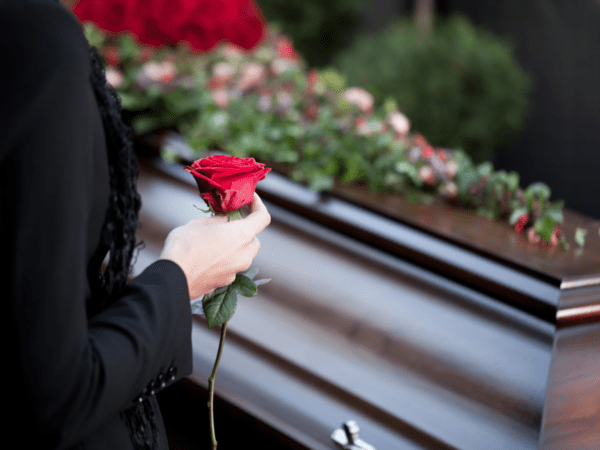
column 87, row 350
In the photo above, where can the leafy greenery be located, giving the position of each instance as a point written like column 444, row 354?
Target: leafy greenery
column 460, row 86
column 266, row 104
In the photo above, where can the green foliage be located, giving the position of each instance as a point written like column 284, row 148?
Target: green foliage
column 460, row 86
column 318, row 28
column 220, row 304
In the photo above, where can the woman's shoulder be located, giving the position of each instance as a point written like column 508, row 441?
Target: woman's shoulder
column 39, row 33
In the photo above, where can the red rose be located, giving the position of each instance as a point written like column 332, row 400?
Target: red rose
column 520, row 225
column 226, row 182
column 201, row 23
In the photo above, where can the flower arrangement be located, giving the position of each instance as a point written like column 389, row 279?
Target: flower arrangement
column 265, row 103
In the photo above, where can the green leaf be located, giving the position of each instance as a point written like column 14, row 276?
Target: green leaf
column 555, row 210
column 544, row 226
column 580, row 236
column 537, row 190
column 406, row 168
column 219, row 305
column 318, row 182
column 244, row 286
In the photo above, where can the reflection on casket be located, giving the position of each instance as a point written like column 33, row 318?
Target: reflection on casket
column 424, row 341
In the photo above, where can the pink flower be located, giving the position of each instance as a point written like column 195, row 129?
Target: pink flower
column 426, row 175
column 533, row 237
column 427, row 152
column 399, row 123
column 253, row 74
column 280, row 65
column 362, row 126
column 449, row 189
column 312, row 112
column 114, row 77
column 420, row 141
column 451, row 168
column 220, row 98
column 442, row 155
column 223, row 72
column 285, row 49
column 359, row 97
column 112, row 55
column 158, row 71
column 284, row 100
column 230, row 51
column 264, row 100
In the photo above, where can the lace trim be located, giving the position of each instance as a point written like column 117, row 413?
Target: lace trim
column 141, row 422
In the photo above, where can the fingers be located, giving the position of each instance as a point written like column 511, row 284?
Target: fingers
column 259, row 218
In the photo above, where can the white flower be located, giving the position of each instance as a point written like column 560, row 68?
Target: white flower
column 264, row 102
column 280, row 65
column 154, row 71
column 399, row 123
column 223, row 72
column 451, row 168
column 359, row 97
column 426, row 175
column 114, row 77
column 230, row 51
column 449, row 189
column 284, row 100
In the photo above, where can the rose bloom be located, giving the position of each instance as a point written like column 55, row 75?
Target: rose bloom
column 359, row 97
column 399, row 123
column 114, row 77
column 227, row 183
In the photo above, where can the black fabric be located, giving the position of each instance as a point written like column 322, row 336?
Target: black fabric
column 71, row 376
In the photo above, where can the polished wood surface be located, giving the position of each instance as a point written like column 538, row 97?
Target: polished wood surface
column 443, row 361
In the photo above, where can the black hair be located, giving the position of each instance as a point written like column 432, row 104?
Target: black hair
column 121, row 219
column 118, row 234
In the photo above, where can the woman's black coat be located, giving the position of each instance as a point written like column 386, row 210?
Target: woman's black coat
column 68, row 378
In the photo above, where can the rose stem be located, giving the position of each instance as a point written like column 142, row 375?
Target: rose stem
column 211, row 388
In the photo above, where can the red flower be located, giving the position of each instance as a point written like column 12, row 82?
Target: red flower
column 285, row 48
column 520, row 225
column 226, row 182
column 201, row 23
column 112, row 56
column 427, row 152
column 420, row 141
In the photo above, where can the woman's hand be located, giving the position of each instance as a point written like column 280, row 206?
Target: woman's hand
column 212, row 251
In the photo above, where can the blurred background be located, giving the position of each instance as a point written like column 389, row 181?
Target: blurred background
column 543, row 123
